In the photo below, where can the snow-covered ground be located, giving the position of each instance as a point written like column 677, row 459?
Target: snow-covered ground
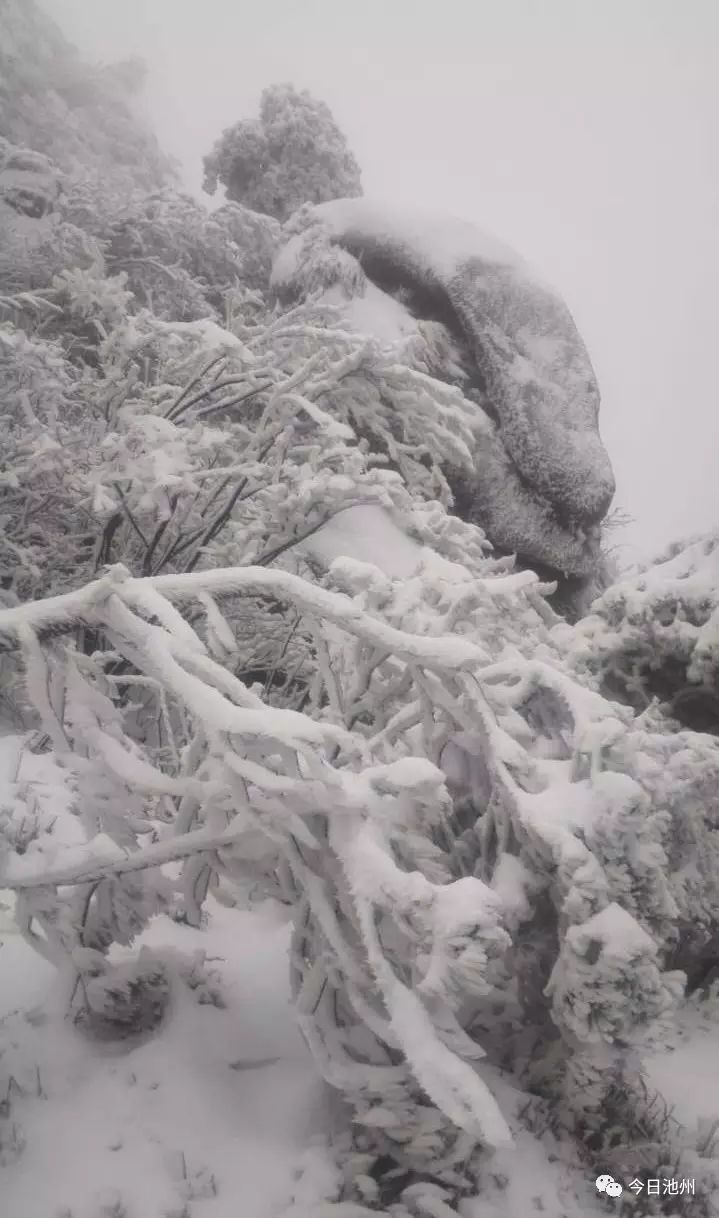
column 687, row 1075
column 208, row 1114
column 220, row 1112
column 211, row 1111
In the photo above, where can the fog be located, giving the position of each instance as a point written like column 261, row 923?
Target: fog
column 583, row 133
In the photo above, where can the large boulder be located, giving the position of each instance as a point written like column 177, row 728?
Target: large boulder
column 542, row 481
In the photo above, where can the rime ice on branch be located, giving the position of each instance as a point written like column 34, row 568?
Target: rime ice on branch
column 413, row 891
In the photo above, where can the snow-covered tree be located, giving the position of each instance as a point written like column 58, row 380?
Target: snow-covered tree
column 293, row 154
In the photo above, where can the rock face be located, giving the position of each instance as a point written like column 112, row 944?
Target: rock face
column 542, row 480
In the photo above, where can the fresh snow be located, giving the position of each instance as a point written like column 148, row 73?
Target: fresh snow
column 368, row 534
column 620, row 935
column 222, row 1110
column 225, row 1094
column 374, row 313
column 228, row 1096
column 446, row 241
column 377, row 314
column 158, row 648
column 231, row 1096
column 686, row 1075
column 213, row 336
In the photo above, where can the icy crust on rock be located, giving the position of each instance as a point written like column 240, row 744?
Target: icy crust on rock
column 543, row 479
column 527, row 348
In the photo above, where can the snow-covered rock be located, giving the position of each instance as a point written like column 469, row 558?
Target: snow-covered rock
column 542, row 480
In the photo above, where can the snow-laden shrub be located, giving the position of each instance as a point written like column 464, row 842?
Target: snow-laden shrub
column 530, row 922
column 655, row 634
column 181, row 261
column 172, row 444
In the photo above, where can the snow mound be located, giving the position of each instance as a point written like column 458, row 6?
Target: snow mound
column 99, row 1127
column 368, row 534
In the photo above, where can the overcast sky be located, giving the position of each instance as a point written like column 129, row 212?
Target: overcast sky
column 583, row 132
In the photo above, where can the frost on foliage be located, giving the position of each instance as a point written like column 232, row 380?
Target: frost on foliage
column 128, row 999
column 179, row 443
column 679, row 775
column 86, row 728
column 429, row 917
column 606, row 983
column 480, row 857
column 45, row 445
column 656, row 634
column 180, row 260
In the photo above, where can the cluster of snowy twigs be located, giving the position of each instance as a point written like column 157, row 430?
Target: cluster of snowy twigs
column 656, row 632
column 470, row 867
column 188, row 444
